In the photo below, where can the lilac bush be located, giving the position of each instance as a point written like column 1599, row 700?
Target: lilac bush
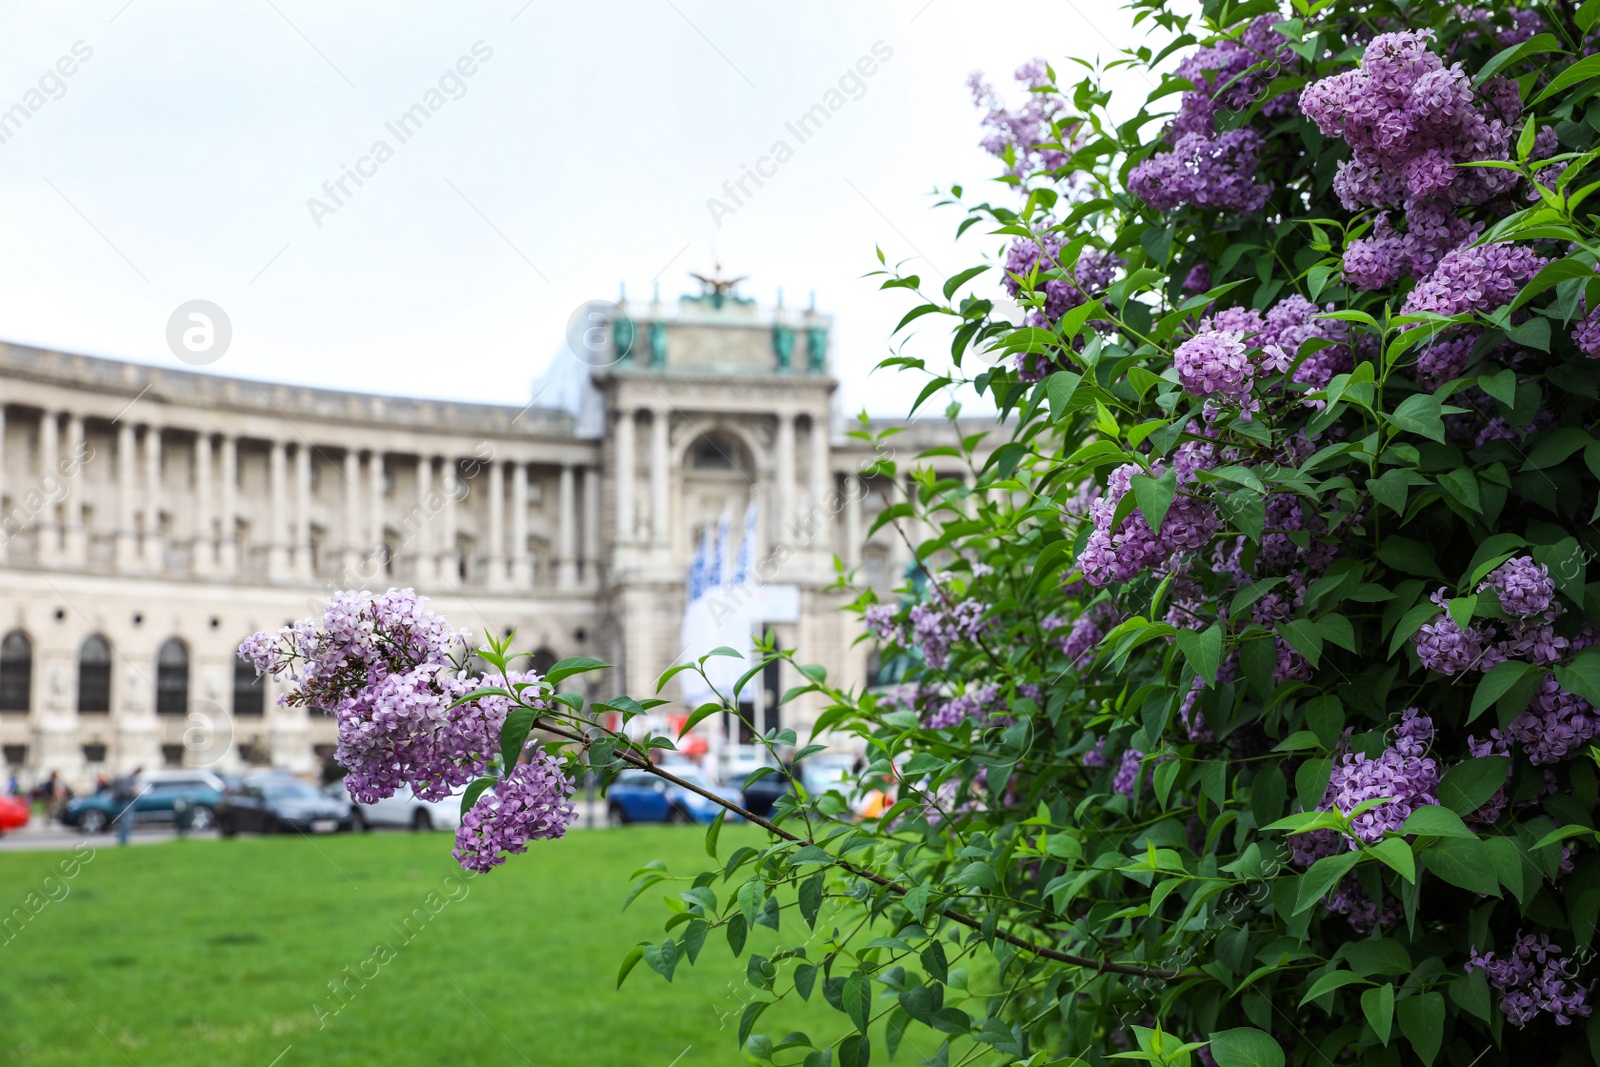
column 1244, row 695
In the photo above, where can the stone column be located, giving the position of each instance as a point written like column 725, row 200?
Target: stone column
column 426, row 567
column 591, row 526
column 77, row 534
column 852, row 521
column 228, row 532
column 49, row 526
column 350, row 542
column 205, row 544
column 155, row 547
column 783, row 494
column 497, row 524
column 521, row 573
column 304, row 564
column 567, row 529
column 278, row 520
column 377, row 544
column 660, row 479
column 127, row 550
column 449, row 555
column 626, row 449
column 819, row 484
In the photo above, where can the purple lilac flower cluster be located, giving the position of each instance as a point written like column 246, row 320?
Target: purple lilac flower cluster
column 936, row 627
column 1535, row 976
column 1234, row 346
column 1474, row 278
column 1205, row 168
column 1121, row 554
column 1082, row 639
column 1403, row 775
column 881, row 622
column 1363, row 913
column 1089, row 279
column 1523, row 586
column 1030, row 133
column 386, row 667
column 1555, row 725
column 979, row 703
column 531, row 803
column 1410, row 122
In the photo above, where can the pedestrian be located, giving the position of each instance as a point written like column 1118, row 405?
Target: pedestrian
column 125, row 793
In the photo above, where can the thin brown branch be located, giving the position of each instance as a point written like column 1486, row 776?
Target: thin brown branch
column 1101, row 965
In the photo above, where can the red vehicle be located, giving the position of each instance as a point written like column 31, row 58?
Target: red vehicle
column 13, row 814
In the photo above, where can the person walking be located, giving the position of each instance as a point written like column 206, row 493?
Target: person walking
column 125, row 792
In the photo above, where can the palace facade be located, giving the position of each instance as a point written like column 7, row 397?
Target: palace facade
column 152, row 518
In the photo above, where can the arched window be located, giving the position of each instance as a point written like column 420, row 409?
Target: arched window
column 94, row 674
column 541, row 660
column 16, row 672
column 249, row 690
column 172, row 678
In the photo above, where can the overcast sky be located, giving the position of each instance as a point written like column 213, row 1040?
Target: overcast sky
column 177, row 160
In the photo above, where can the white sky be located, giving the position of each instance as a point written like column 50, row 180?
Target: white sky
column 178, row 162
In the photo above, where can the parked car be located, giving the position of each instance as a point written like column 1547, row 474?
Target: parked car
column 278, row 803
column 13, row 813
column 639, row 796
column 407, row 810
column 199, row 791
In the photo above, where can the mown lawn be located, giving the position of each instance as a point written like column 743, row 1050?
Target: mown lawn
column 222, row 952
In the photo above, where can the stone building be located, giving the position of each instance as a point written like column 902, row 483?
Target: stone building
column 151, row 518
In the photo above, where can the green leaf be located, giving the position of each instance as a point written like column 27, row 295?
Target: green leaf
column 1154, row 495
column 933, row 960
column 1543, row 42
column 1422, row 1022
column 1463, row 863
column 1378, row 1006
column 1471, row 993
column 1324, row 874
column 1421, row 414
column 1467, row 786
column 1203, row 650
column 811, row 899
column 662, row 958
column 747, row 1019
column 1395, row 853
column 1501, row 677
column 1435, row 820
column 635, row 954
column 956, row 281
column 979, row 874
column 1331, row 981
column 1583, row 69
column 514, row 735
column 856, row 997
column 713, row 832
column 1059, row 387
column 1412, row 557
column 566, row 668
column 1245, row 1046
column 1582, row 676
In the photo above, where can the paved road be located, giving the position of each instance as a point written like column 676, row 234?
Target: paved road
column 40, row 835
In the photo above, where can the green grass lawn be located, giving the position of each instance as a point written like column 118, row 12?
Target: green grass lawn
column 222, row 952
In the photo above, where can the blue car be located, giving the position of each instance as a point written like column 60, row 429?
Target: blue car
column 638, row 796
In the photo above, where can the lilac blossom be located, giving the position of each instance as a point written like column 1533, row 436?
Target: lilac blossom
column 935, row 628
column 1535, row 976
column 1554, row 725
column 531, row 803
column 1523, row 586
column 1033, row 133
